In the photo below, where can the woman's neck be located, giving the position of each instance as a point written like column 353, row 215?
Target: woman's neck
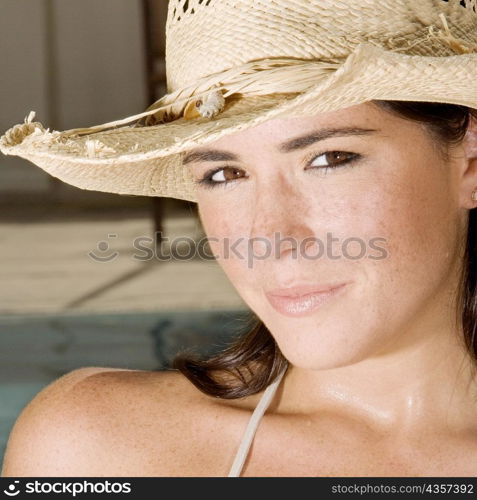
column 428, row 383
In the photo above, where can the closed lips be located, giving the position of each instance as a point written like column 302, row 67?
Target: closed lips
column 303, row 290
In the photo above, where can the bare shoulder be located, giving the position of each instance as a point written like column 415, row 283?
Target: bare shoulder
column 114, row 422
column 48, row 427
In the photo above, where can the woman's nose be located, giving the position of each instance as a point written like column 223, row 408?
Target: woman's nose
column 281, row 217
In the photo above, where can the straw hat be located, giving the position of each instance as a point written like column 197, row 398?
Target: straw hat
column 232, row 64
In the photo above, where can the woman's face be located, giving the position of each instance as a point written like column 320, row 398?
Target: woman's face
column 386, row 220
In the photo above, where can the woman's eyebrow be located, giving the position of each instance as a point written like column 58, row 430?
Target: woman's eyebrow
column 209, row 155
column 322, row 134
column 285, row 147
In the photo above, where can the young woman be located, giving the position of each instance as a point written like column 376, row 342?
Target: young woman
column 354, row 235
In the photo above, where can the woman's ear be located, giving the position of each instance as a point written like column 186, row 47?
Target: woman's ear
column 469, row 175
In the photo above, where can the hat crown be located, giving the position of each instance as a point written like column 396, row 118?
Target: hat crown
column 208, row 36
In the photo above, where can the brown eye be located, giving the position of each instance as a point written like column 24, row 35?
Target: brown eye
column 225, row 174
column 332, row 159
column 219, row 177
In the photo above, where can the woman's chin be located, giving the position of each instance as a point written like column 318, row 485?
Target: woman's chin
column 331, row 348
column 321, row 360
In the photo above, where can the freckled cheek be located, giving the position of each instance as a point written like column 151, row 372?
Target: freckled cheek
column 226, row 230
column 414, row 220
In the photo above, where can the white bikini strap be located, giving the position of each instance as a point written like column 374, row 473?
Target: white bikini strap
column 249, row 433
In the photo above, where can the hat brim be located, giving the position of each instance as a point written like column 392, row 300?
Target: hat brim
column 147, row 161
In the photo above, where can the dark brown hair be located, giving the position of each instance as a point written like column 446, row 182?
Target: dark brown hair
column 254, row 360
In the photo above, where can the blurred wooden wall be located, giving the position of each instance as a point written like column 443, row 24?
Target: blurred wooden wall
column 155, row 12
column 76, row 63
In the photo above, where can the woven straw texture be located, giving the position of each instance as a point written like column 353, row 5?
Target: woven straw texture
column 232, row 64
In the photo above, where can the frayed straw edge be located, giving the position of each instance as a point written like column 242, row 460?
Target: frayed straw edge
column 447, row 37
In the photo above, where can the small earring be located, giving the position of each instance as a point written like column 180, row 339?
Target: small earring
column 474, row 195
